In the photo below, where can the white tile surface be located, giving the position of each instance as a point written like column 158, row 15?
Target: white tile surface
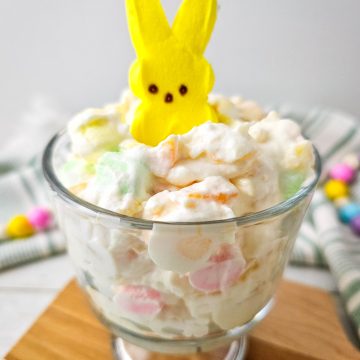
column 51, row 273
column 25, row 292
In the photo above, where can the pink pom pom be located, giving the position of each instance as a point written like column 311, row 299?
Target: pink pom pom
column 40, row 218
column 343, row 172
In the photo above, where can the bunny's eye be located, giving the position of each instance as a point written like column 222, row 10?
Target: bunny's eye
column 183, row 90
column 153, row 89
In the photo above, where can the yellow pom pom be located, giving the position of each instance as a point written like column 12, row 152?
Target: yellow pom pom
column 335, row 189
column 19, row 226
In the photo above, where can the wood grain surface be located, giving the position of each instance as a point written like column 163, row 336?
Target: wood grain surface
column 302, row 326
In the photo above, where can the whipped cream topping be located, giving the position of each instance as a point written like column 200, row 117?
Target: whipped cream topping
column 246, row 153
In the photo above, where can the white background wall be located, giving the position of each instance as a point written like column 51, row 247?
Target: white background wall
column 77, row 52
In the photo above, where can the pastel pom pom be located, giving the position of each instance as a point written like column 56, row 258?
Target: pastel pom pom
column 343, row 172
column 349, row 212
column 19, row 226
column 335, row 189
column 40, row 218
column 139, row 300
column 355, row 225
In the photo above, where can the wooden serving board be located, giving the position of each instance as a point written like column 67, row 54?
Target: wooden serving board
column 303, row 325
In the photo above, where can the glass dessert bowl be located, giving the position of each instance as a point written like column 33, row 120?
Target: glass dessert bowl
column 203, row 298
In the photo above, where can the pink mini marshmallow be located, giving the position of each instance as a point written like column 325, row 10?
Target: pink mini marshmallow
column 225, row 252
column 139, row 300
column 225, row 267
column 217, row 276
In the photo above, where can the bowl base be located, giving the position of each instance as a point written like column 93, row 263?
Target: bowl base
column 126, row 351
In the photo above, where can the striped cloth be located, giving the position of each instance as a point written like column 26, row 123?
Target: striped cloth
column 322, row 241
column 21, row 181
column 335, row 134
column 20, row 191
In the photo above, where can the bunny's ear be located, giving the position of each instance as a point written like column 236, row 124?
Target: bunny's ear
column 147, row 23
column 194, row 23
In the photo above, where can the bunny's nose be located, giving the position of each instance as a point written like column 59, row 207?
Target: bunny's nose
column 169, row 98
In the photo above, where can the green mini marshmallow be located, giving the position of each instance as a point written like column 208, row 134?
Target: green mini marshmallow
column 126, row 170
column 76, row 170
column 291, row 182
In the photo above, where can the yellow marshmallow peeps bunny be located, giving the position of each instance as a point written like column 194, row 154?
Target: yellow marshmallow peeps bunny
column 170, row 76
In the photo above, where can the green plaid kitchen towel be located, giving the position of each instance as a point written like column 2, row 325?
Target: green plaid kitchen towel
column 322, row 241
